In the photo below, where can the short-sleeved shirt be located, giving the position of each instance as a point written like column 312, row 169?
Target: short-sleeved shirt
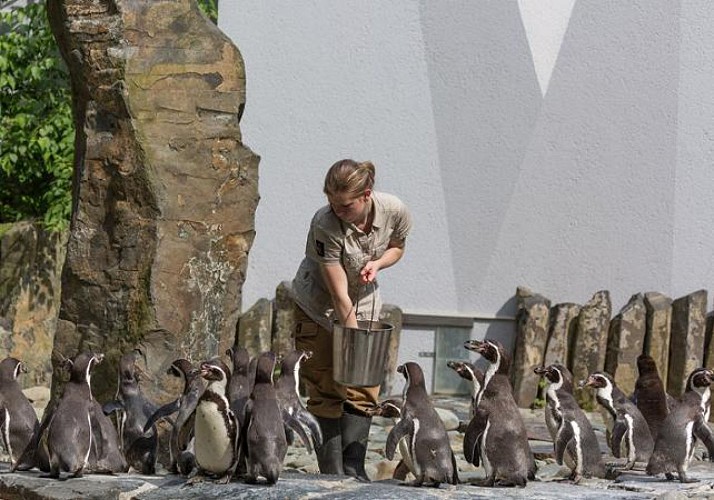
column 333, row 241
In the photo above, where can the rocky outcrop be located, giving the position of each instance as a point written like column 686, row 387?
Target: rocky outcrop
column 657, row 330
column 166, row 191
column 563, row 322
column 624, row 344
column 532, row 320
column 31, row 262
column 686, row 344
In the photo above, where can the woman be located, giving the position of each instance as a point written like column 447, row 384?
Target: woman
column 359, row 233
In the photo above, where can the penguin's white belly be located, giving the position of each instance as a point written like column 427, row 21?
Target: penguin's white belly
column 214, row 450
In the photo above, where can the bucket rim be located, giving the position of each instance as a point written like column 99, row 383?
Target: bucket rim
column 363, row 326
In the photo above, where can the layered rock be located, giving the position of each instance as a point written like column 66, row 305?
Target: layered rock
column 658, row 323
column 532, row 320
column 686, row 343
column 625, row 343
column 165, row 190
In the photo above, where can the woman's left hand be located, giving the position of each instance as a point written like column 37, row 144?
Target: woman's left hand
column 369, row 272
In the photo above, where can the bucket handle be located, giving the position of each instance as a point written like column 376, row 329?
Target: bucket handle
column 374, row 301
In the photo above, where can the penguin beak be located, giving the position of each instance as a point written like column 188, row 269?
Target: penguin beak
column 401, row 369
column 475, row 346
column 540, row 370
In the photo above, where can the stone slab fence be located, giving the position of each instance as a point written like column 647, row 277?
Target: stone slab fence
column 676, row 333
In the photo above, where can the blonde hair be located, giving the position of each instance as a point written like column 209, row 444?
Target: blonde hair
column 348, row 176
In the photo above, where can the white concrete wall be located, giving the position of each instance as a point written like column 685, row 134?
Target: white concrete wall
column 561, row 145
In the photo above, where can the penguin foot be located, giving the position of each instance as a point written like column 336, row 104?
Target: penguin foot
column 684, row 479
column 483, row 483
column 197, row 478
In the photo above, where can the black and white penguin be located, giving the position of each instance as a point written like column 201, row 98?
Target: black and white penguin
column 496, row 436
column 18, row 421
column 216, row 431
column 264, row 429
column 239, row 385
column 433, row 461
column 473, row 375
column 630, row 436
column 649, row 395
column 391, row 408
column 71, row 433
column 573, row 436
column 181, row 441
column 133, row 412
column 686, row 422
column 295, row 415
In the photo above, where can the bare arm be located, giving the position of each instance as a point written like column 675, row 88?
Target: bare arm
column 336, row 280
column 391, row 256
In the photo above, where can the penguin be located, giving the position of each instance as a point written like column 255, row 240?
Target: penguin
column 216, row 430
column 391, row 408
column 239, row 387
column 18, row 421
column 182, row 457
column 573, row 436
column 134, row 410
column 264, row 429
column 649, row 395
column 432, row 458
column 473, row 375
column 687, row 422
column 496, row 436
column 630, row 435
column 286, row 387
column 72, row 431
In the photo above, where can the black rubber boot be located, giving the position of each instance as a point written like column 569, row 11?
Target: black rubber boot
column 355, row 432
column 329, row 455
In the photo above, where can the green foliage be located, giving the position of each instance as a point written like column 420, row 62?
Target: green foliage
column 210, row 8
column 36, row 127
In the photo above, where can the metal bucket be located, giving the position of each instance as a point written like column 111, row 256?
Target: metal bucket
column 359, row 355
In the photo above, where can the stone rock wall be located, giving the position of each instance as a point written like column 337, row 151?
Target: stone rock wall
column 31, row 260
column 165, row 190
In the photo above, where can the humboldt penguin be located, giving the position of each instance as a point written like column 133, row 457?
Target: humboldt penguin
column 496, row 436
column 264, row 428
column 133, row 412
column 391, row 408
column 286, row 387
column 573, row 436
column 216, row 430
column 686, row 423
column 182, row 458
column 649, row 395
column 630, row 436
column 473, row 375
column 239, row 388
column 433, row 461
column 73, row 431
column 18, row 420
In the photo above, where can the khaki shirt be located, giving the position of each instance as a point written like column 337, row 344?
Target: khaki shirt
column 331, row 240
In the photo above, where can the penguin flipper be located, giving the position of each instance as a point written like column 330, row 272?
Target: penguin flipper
column 112, row 406
column 616, row 437
column 97, row 441
column 296, row 426
column 565, row 434
column 162, row 412
column 472, row 437
column 455, row 475
column 704, row 433
column 404, row 428
column 309, row 421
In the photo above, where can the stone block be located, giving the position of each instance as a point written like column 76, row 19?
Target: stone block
column 283, row 319
column 255, row 328
column 532, row 319
column 624, row 344
column 393, row 315
column 658, row 323
column 563, row 323
column 589, row 345
column 686, row 342
column 708, row 345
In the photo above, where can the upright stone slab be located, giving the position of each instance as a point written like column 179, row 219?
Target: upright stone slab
column 624, row 344
column 590, row 342
column 255, row 328
column 393, row 315
column 686, row 343
column 708, row 344
column 165, row 191
column 532, row 319
column 657, row 330
column 283, row 319
column 563, row 323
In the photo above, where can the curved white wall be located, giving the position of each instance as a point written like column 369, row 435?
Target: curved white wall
column 600, row 182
